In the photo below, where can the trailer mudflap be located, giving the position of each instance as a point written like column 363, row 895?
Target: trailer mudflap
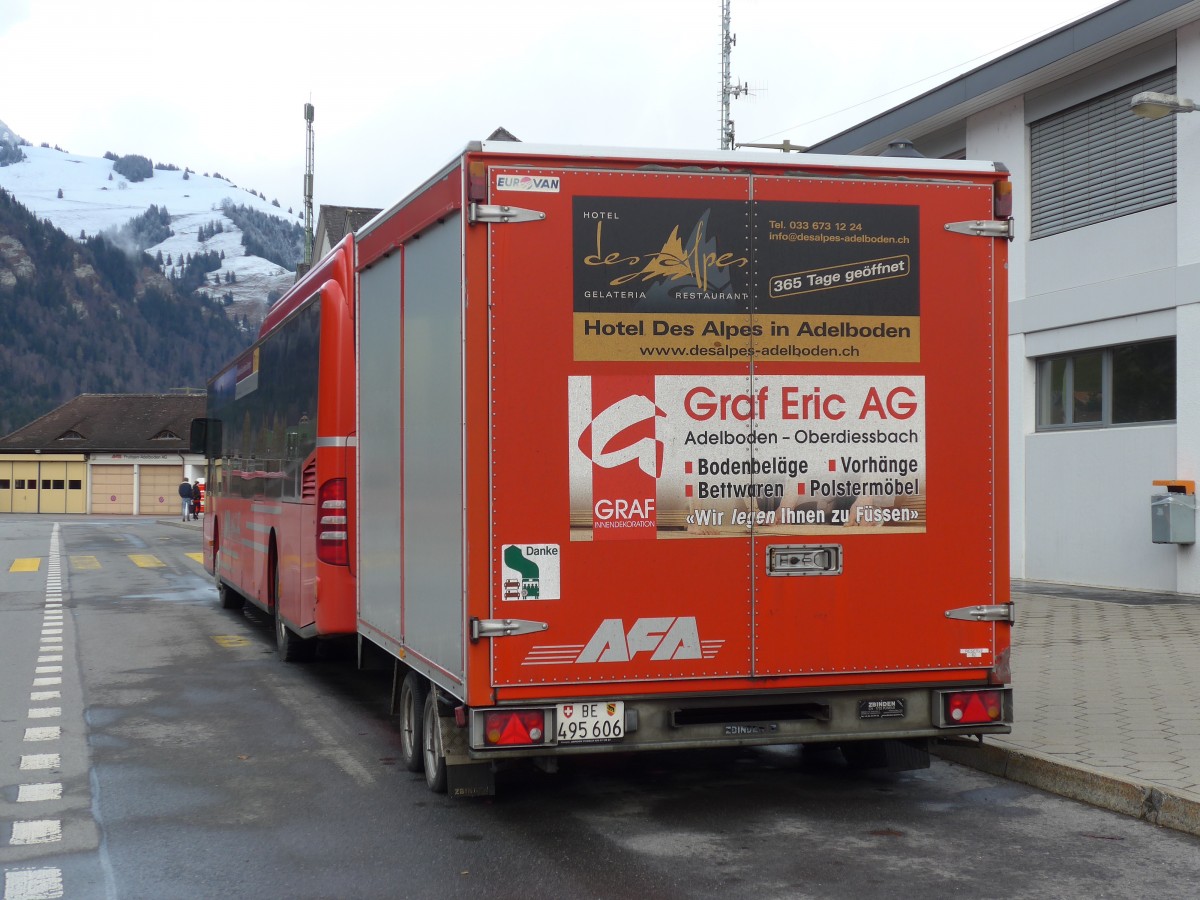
column 465, row 777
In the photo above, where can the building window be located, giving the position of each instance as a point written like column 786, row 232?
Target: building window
column 1122, row 385
column 1098, row 161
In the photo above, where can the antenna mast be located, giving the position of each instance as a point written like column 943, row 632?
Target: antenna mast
column 728, row 88
column 309, row 113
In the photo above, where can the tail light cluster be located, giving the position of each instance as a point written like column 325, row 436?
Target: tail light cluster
column 1002, row 200
column 973, row 707
column 514, row 727
column 333, row 543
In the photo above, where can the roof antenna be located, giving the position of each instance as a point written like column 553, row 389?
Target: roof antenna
column 309, row 113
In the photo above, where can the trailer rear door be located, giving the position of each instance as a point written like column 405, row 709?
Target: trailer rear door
column 589, row 519
column 894, row 522
column 720, row 406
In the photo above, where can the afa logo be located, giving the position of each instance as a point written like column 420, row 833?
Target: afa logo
column 655, row 639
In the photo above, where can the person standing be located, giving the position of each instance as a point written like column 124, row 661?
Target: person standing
column 197, row 496
column 185, row 497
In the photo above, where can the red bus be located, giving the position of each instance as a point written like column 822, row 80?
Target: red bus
column 280, row 439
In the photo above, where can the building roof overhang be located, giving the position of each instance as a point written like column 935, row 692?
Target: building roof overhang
column 1092, row 39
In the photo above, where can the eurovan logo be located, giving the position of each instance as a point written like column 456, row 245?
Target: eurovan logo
column 531, row 183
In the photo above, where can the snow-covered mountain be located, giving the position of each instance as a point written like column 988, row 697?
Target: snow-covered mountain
column 83, row 195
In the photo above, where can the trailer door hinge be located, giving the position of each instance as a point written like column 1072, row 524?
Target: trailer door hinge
column 488, row 213
column 494, row 628
column 993, row 228
column 998, row 612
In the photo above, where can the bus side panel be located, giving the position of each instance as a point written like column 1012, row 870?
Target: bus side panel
column 333, row 589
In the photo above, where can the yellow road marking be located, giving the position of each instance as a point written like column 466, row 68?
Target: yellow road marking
column 230, row 640
column 198, row 557
column 146, row 561
column 28, row 564
column 80, row 563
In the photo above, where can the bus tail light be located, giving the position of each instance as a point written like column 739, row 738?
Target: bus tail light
column 514, row 727
column 333, row 543
column 972, row 707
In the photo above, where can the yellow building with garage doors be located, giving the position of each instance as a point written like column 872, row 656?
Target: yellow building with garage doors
column 104, row 454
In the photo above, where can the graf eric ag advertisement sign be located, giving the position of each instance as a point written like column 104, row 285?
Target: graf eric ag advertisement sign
column 690, row 455
column 679, row 280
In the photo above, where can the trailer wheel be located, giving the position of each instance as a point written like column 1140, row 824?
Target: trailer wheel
column 414, row 693
column 431, row 741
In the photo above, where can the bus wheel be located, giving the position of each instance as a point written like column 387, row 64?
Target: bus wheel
column 431, row 740
column 289, row 645
column 413, row 698
column 228, row 597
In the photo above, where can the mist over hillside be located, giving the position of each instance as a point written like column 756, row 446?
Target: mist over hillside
column 87, row 196
column 125, row 274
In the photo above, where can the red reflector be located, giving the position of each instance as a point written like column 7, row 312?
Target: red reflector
column 515, row 728
column 974, row 707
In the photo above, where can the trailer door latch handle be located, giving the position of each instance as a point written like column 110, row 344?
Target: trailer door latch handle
column 494, row 628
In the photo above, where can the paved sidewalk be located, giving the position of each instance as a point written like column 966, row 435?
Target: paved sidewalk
column 1106, row 687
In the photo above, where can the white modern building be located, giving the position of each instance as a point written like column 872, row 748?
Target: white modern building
column 1104, row 283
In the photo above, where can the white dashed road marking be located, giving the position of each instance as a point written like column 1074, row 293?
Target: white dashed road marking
column 31, row 883
column 35, row 793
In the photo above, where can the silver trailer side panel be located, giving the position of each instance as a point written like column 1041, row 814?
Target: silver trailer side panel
column 378, row 442
column 411, row 434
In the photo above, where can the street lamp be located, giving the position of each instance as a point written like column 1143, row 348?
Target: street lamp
column 1153, row 105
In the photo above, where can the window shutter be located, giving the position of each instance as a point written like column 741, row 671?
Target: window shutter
column 1097, row 161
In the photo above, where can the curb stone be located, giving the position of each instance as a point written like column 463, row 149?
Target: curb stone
column 1156, row 805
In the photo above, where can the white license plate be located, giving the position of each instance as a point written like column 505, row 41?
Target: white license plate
column 592, row 721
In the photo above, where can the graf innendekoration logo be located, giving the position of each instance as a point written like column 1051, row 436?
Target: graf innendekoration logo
column 618, row 435
column 617, row 455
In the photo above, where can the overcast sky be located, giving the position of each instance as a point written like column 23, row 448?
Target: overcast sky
column 400, row 87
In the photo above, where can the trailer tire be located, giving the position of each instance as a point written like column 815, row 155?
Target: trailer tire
column 414, row 693
column 431, row 742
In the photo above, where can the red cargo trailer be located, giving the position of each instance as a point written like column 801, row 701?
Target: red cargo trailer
column 669, row 450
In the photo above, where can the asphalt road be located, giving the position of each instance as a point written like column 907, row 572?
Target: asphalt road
column 191, row 763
